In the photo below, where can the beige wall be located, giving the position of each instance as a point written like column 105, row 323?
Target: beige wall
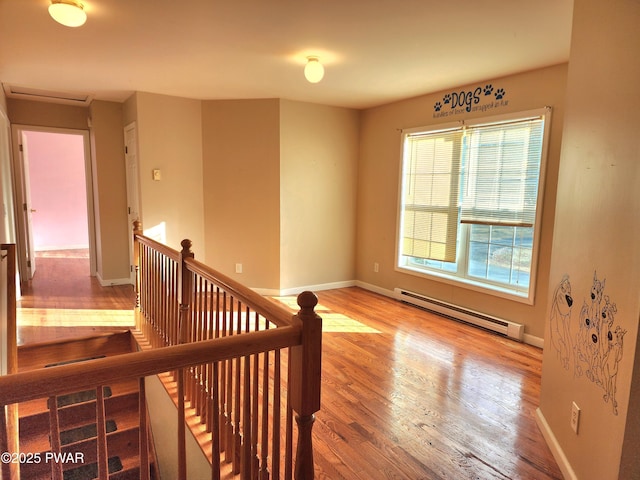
column 378, row 183
column 170, row 139
column 318, row 176
column 109, row 192
column 241, row 165
column 597, row 231
column 41, row 114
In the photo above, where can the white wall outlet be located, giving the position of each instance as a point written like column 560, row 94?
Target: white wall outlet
column 376, row 267
column 238, row 268
column 575, row 417
column 157, row 176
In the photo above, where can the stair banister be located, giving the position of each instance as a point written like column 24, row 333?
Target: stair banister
column 63, row 379
column 195, row 283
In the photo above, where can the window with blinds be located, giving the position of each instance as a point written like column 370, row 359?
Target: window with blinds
column 469, row 200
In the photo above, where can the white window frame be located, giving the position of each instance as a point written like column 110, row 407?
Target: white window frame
column 526, row 296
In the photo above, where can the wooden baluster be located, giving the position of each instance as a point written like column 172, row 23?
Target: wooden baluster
column 237, row 436
column 304, row 382
column 215, row 426
column 277, row 412
column 228, row 433
column 143, row 443
column 137, row 230
column 264, row 445
column 103, row 462
column 54, row 435
column 288, row 445
column 5, row 467
column 221, row 331
column 182, row 453
column 175, row 307
column 212, row 382
column 200, row 369
column 255, row 460
column 229, row 441
column 246, row 461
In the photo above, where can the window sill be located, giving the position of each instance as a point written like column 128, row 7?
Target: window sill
column 493, row 290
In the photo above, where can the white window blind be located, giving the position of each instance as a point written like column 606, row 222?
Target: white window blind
column 431, row 186
column 502, row 167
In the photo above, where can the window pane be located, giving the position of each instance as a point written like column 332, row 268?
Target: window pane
column 502, row 235
column 480, row 233
column 499, row 265
column 478, row 253
column 524, row 237
column 444, row 266
column 521, row 267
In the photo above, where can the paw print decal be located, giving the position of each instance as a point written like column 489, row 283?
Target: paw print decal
column 447, row 99
column 488, row 89
column 437, row 107
column 500, row 93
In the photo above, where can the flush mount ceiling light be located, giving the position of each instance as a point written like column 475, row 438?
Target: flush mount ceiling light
column 313, row 70
column 68, row 12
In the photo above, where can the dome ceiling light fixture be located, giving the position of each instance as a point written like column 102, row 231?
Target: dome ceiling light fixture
column 68, row 13
column 313, row 70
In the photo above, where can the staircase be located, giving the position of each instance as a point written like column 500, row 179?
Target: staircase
column 77, row 415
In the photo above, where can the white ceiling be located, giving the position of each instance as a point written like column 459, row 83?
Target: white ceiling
column 374, row 51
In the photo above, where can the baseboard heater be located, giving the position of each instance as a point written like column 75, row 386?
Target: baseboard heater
column 504, row 327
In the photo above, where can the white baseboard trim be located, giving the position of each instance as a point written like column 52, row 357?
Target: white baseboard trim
column 376, row 289
column 51, row 248
column 554, row 446
column 297, row 290
column 113, row 281
column 533, row 340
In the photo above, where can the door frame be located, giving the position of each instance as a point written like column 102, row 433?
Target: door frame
column 20, row 186
column 133, row 186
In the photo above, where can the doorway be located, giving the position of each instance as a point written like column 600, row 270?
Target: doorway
column 53, row 188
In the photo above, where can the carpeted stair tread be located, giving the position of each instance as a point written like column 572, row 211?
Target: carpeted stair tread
column 121, row 443
column 34, row 430
column 39, row 405
column 77, row 413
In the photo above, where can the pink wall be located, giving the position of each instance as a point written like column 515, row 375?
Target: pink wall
column 58, row 190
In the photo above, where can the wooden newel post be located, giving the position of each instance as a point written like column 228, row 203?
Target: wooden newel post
column 183, row 326
column 137, row 230
column 306, row 371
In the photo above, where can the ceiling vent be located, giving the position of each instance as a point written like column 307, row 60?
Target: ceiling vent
column 34, row 94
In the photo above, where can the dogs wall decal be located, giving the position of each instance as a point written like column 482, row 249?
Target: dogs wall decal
column 593, row 347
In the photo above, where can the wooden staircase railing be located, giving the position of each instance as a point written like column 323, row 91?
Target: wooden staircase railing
column 243, row 363
column 9, row 414
column 246, row 403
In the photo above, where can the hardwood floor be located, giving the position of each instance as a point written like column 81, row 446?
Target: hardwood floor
column 406, row 394
column 423, row 397
column 64, row 301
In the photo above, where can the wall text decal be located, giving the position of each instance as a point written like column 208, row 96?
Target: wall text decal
column 479, row 99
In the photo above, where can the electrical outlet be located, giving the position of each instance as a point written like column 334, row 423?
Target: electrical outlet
column 575, row 417
column 376, row 267
column 238, row 268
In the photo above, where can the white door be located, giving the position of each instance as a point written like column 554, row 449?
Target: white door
column 133, row 196
column 27, row 209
